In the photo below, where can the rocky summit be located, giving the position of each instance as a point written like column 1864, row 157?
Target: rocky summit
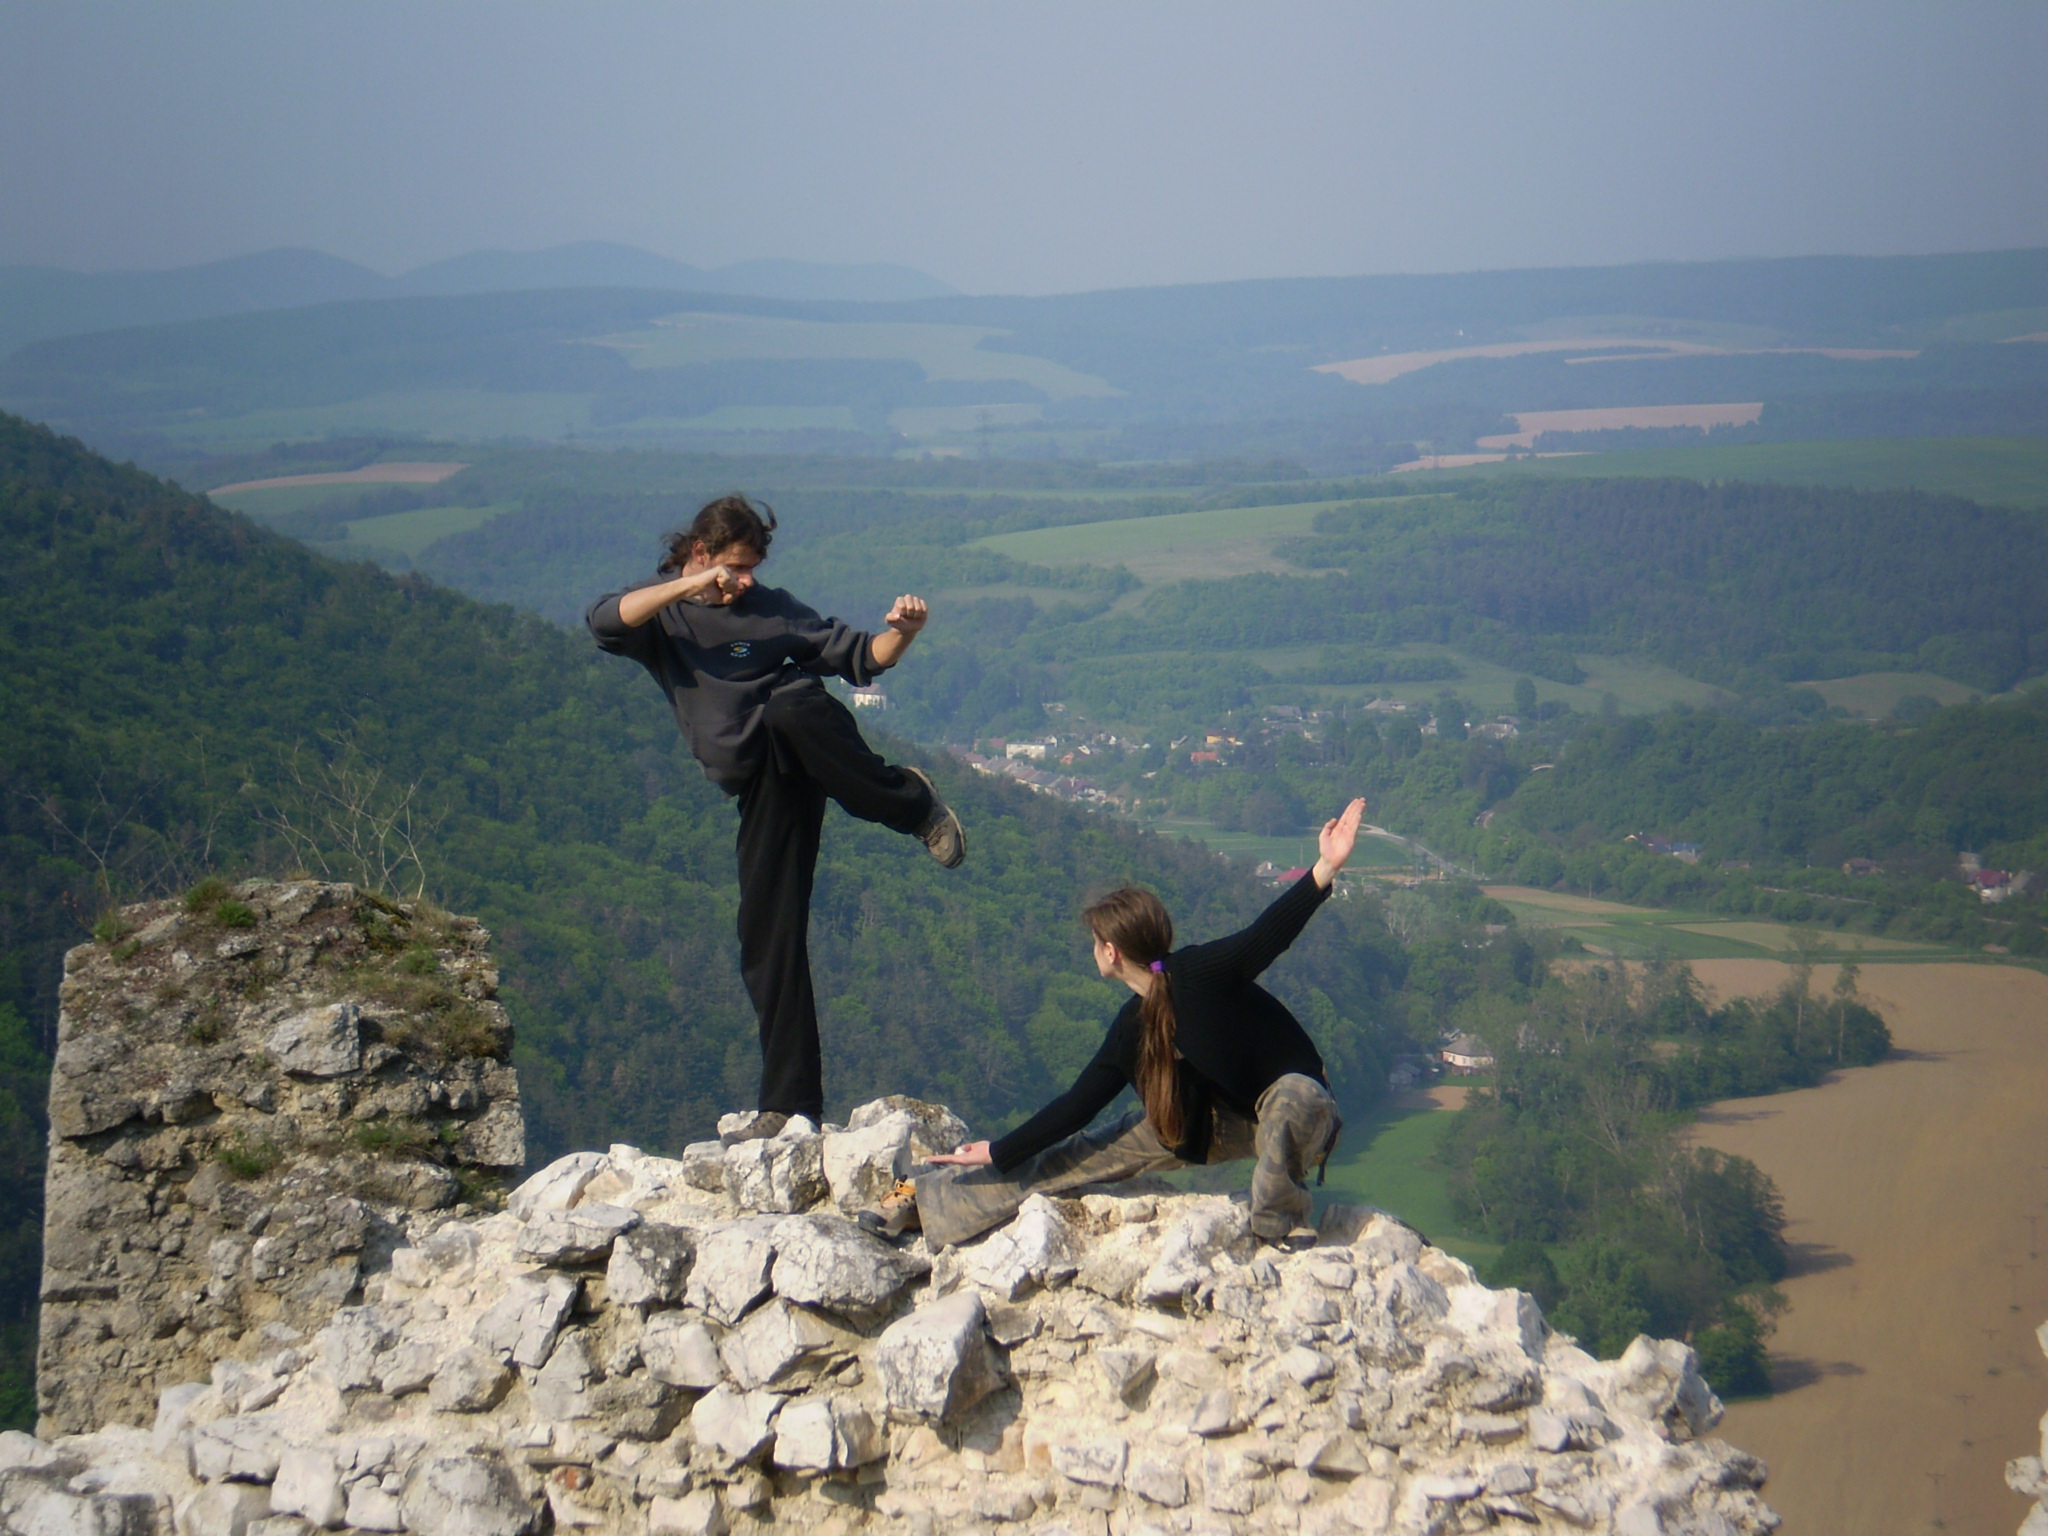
column 714, row 1344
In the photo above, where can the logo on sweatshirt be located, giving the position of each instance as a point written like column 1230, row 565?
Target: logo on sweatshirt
column 741, row 648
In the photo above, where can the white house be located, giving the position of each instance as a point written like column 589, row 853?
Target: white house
column 1467, row 1053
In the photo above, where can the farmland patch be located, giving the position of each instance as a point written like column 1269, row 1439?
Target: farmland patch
column 1180, row 546
column 1874, row 695
column 1906, row 1369
column 1529, row 425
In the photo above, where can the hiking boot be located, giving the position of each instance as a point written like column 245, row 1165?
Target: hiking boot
column 895, row 1213
column 758, row 1125
column 942, row 835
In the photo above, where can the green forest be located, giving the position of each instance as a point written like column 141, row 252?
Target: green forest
column 1574, row 1159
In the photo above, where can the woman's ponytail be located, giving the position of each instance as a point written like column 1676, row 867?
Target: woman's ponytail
column 1136, row 922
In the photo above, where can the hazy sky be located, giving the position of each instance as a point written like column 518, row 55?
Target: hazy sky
column 1023, row 147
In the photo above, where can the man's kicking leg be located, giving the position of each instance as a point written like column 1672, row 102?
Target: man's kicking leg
column 821, row 734
column 781, row 812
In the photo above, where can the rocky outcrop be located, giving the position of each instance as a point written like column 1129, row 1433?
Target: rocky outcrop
column 255, row 1090
column 714, row 1343
column 625, row 1350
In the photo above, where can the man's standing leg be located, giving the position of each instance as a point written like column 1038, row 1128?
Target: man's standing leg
column 781, row 813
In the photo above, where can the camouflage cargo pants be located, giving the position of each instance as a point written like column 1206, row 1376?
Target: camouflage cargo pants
column 1297, row 1125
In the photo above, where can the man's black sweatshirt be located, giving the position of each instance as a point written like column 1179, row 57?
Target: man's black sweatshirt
column 718, row 666
column 1235, row 1038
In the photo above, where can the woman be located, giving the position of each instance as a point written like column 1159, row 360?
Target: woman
column 1223, row 1070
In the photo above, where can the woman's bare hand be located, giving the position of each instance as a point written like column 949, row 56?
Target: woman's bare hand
column 1338, row 837
column 973, row 1155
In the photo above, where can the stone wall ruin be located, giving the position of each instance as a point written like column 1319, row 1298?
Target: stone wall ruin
column 253, row 1089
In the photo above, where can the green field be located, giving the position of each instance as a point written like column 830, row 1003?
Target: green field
column 1389, row 1160
column 1223, row 541
column 947, row 352
column 1874, row 695
column 281, row 500
column 1608, row 928
column 411, row 532
column 1998, row 471
column 1637, row 686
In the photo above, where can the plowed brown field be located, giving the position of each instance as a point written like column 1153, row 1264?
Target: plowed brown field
column 1917, row 1191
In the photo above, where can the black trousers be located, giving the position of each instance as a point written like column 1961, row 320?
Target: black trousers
column 815, row 751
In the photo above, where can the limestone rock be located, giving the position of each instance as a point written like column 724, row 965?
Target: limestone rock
column 495, row 1139
column 580, row 1236
column 695, row 1514
column 680, row 1352
column 782, row 1173
column 321, row 1042
column 522, row 1326
column 308, row 1485
column 349, row 1346
column 830, row 1262
column 224, row 1509
column 861, row 1166
column 470, row 1380
column 826, row 1434
column 937, row 1128
column 1163, row 1377
column 1035, row 1249
column 372, row 1507
column 704, row 1166
column 937, row 1362
column 1659, row 1379
column 650, row 1265
column 1098, row 1460
column 1184, row 1263
column 781, row 1346
column 732, row 1269
column 240, row 1450
column 466, row 1496
column 736, row 1425
column 557, row 1186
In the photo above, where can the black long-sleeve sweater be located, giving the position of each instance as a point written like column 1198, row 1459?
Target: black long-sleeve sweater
column 718, row 666
column 1235, row 1038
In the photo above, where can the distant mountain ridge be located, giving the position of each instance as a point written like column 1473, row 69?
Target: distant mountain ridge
column 40, row 302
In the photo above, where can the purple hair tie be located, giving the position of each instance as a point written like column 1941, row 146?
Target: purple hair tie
column 1159, row 966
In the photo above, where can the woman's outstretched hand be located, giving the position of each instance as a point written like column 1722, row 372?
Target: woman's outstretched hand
column 1339, row 836
column 973, row 1155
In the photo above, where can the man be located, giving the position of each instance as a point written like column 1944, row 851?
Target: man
column 741, row 665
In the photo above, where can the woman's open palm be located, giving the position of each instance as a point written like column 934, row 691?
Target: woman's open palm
column 1340, row 835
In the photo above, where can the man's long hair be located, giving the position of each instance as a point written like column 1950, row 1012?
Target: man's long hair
column 718, row 526
column 1136, row 922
